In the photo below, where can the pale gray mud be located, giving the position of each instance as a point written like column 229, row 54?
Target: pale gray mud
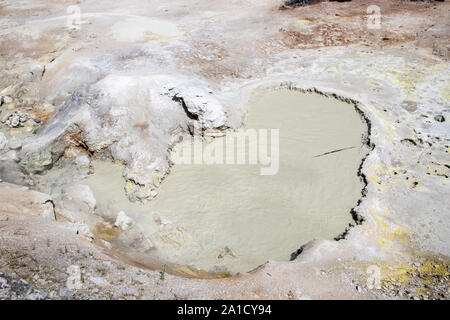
column 230, row 217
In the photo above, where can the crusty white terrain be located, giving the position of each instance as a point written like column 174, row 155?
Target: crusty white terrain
column 130, row 77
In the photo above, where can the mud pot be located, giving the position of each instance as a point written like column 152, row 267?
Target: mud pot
column 231, row 218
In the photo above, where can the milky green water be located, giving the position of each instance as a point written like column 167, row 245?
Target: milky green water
column 230, row 217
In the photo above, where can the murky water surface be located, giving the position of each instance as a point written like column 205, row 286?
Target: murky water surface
column 230, row 217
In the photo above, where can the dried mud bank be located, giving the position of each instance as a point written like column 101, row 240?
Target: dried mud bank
column 135, row 78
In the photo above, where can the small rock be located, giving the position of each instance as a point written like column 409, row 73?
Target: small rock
column 124, row 291
column 439, row 118
column 23, row 117
column 37, row 162
column 7, row 99
column 66, row 293
column 98, row 281
column 81, row 193
column 123, row 221
column 14, row 121
column 161, row 220
column 47, row 210
column 6, row 116
column 37, row 71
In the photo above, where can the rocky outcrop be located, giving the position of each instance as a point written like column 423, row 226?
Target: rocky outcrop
column 76, row 203
column 131, row 118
